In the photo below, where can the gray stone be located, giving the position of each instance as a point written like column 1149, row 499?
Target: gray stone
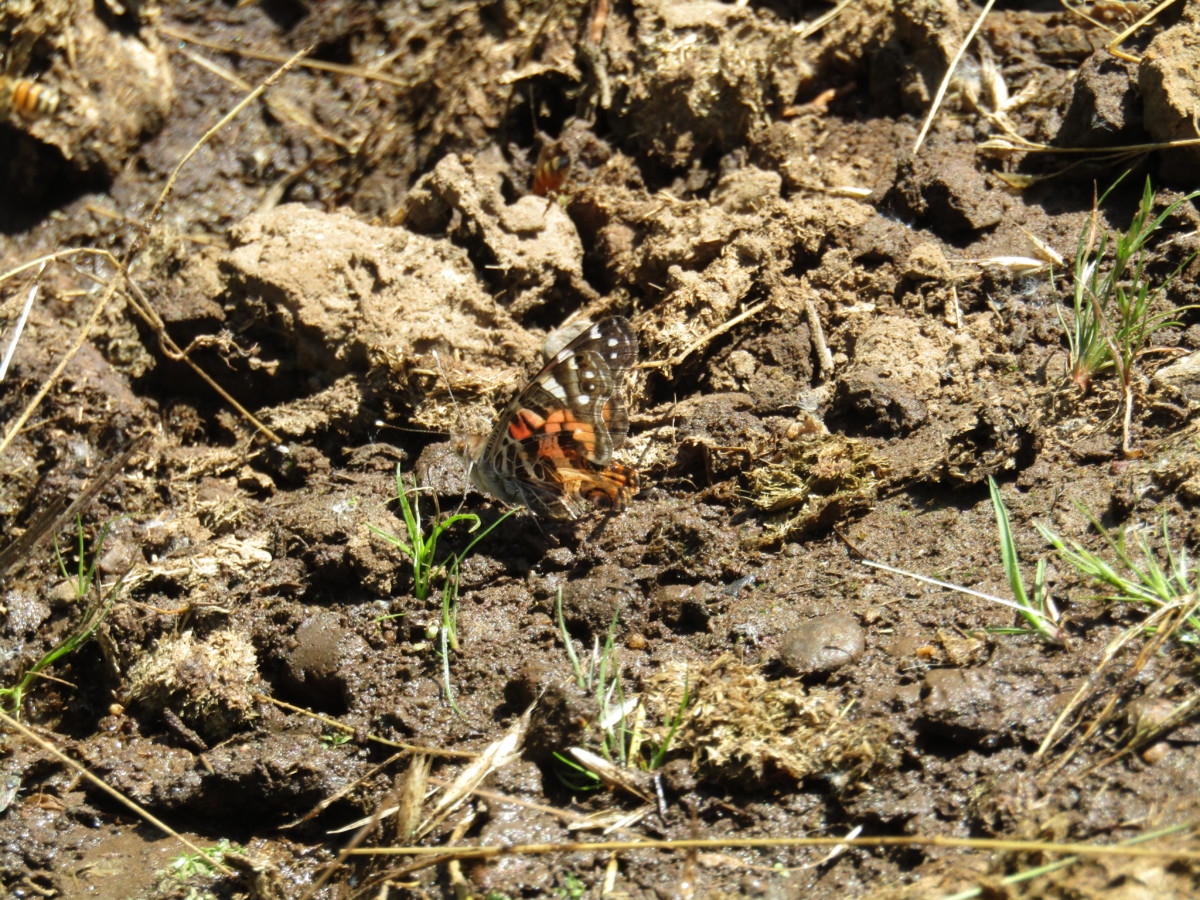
column 823, row 644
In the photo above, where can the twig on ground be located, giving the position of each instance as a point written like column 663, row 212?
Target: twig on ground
column 1162, row 625
column 808, row 29
column 695, row 345
column 1120, row 38
column 945, row 85
column 368, row 74
column 438, row 855
column 334, row 723
column 143, row 813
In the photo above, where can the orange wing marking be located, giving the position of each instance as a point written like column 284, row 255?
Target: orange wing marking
column 528, row 425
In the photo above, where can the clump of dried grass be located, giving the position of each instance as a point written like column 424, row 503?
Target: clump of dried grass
column 744, row 728
column 209, row 683
column 815, row 480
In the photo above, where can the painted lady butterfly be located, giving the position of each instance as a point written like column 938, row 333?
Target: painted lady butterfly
column 551, row 449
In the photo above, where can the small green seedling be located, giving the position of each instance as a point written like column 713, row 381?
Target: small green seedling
column 1039, row 610
column 619, row 725
column 334, row 739
column 83, row 582
column 1112, row 315
column 602, row 677
column 572, row 888
column 193, row 865
column 421, row 548
column 1129, row 581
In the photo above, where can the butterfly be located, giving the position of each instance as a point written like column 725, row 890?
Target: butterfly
column 551, row 448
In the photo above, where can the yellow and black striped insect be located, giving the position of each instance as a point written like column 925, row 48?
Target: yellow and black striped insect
column 27, row 97
column 551, row 170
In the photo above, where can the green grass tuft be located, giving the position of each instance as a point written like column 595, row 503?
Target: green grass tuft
column 429, row 570
column 621, row 738
column 421, row 547
column 83, row 581
column 1144, row 581
column 1113, row 317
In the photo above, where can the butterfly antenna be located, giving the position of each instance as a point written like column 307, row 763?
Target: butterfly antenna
column 437, row 361
column 380, row 424
column 462, row 428
column 641, row 462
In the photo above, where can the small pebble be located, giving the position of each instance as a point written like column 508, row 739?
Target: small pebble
column 823, row 644
column 1155, row 753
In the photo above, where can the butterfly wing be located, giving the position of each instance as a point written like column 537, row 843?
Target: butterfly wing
column 553, row 443
column 586, row 378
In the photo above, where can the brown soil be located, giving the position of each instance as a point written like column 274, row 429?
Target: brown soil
column 837, row 353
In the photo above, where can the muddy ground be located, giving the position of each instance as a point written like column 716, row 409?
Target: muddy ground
column 841, row 341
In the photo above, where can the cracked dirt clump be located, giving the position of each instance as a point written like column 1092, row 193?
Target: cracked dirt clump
column 209, row 683
column 743, row 728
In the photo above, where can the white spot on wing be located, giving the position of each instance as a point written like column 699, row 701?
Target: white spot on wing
column 584, row 399
column 612, row 341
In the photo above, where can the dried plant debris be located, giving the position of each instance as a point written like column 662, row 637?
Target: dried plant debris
column 737, row 64
column 814, row 481
column 411, row 786
column 209, row 683
column 495, row 756
column 222, row 558
column 743, row 728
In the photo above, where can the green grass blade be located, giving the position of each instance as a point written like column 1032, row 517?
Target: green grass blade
column 448, row 639
column 580, row 681
column 487, row 531
column 392, row 539
column 660, row 754
column 1008, row 548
